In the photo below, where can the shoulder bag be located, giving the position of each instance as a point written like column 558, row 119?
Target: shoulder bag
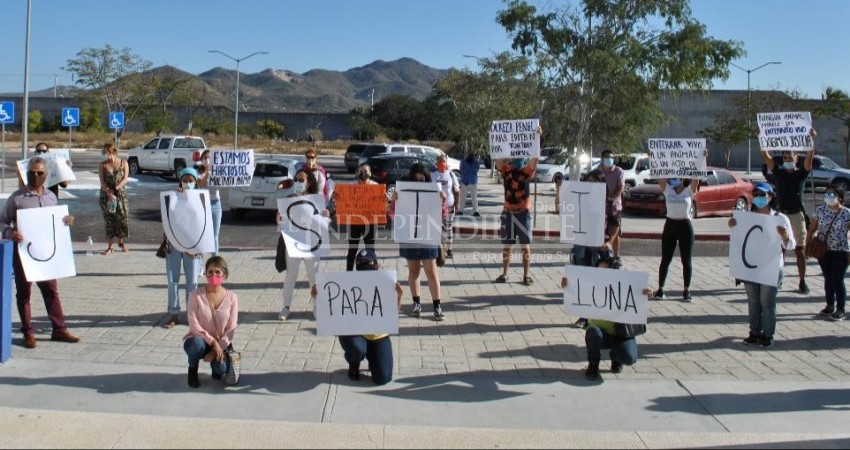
column 817, row 247
column 164, row 248
column 233, row 357
column 280, row 255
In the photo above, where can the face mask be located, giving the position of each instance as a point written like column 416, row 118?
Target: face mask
column 188, row 185
column 206, row 161
column 608, row 162
column 830, row 200
column 518, row 163
column 362, row 176
column 299, row 187
column 760, row 202
column 215, row 280
column 674, row 182
column 104, row 156
column 788, row 165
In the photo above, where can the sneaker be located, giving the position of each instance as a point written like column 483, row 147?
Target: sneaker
column 592, row 372
column 417, row 310
column 438, row 314
column 804, row 288
column 752, row 339
column 765, row 342
column 450, row 254
column 686, row 297
column 476, row 214
column 659, row 294
column 826, row 312
column 616, row 367
column 354, row 372
column 838, row 315
column 284, row 314
column 581, row 323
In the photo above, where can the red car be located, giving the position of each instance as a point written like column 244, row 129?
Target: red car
column 718, row 195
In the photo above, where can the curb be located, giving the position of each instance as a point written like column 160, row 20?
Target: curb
column 714, row 237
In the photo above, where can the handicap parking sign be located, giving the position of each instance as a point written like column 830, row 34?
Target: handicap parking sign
column 70, row 117
column 7, row 112
column 116, row 120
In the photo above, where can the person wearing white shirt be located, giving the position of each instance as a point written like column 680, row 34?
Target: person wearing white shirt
column 449, row 185
column 678, row 231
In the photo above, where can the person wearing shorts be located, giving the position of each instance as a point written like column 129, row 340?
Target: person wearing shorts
column 515, row 218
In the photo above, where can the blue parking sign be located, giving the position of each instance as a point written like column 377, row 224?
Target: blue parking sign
column 116, row 120
column 7, row 112
column 70, row 117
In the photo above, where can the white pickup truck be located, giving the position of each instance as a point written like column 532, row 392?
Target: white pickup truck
column 166, row 154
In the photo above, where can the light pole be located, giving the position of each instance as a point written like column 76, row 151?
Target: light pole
column 25, row 120
column 236, row 109
column 749, row 111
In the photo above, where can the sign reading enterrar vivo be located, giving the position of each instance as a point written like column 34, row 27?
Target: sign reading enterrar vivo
column 677, row 158
column 515, row 139
column 785, row 131
column 231, row 168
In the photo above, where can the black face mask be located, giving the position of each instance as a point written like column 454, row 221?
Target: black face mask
column 362, row 176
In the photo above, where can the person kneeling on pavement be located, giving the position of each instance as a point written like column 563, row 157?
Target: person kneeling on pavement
column 376, row 348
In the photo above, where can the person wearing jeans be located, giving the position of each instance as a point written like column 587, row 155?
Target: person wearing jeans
column 831, row 223
column 469, row 168
column 601, row 335
column 190, row 262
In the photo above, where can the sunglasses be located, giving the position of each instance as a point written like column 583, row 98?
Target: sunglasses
column 311, row 156
column 36, row 173
column 830, row 194
column 759, row 194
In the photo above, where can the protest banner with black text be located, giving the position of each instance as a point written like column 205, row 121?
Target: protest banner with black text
column 755, row 248
column 582, row 213
column 46, row 252
column 785, row 131
column 515, row 139
column 58, row 169
column 418, row 213
column 304, row 228
column 355, row 303
column 677, row 158
column 187, row 220
column 232, row 168
column 606, row 294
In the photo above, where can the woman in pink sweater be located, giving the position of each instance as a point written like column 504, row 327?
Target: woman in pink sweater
column 213, row 314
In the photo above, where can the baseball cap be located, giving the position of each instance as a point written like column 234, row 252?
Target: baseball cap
column 764, row 187
column 189, row 171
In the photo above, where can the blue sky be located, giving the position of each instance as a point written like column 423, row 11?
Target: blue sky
column 809, row 38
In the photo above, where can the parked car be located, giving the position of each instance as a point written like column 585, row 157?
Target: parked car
column 166, row 154
column 388, row 169
column 415, row 149
column 272, row 180
column 352, row 156
column 557, row 167
column 718, row 195
column 635, row 166
column 826, row 171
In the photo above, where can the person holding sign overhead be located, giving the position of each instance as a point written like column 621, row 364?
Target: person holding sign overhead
column 790, row 180
column 114, row 174
column 678, row 230
column 204, row 171
column 831, row 223
column 761, row 298
column 516, row 217
column 34, row 195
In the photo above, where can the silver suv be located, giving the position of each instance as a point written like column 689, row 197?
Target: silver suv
column 415, row 149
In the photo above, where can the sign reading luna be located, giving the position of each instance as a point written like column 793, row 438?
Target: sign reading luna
column 187, row 220
column 755, row 248
column 606, row 294
column 231, row 168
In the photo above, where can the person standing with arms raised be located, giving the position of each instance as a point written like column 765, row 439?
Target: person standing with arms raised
column 516, row 216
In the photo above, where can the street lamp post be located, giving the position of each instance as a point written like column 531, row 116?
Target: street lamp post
column 749, row 110
column 236, row 109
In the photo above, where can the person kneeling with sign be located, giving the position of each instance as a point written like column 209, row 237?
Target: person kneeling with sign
column 376, row 348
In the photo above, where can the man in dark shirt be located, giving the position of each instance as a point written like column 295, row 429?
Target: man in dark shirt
column 789, row 179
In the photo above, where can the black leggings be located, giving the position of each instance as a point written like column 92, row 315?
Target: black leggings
column 679, row 232
column 355, row 233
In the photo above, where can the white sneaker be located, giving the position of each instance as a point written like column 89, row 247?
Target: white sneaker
column 438, row 314
column 284, row 314
column 417, row 310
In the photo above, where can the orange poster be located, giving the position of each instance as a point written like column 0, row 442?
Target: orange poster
column 361, row 204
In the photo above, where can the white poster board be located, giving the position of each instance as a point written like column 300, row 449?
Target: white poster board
column 606, row 294
column 304, row 229
column 187, row 220
column 46, row 252
column 755, row 248
column 677, row 158
column 582, row 214
column 785, row 131
column 355, row 303
column 57, row 166
column 515, row 139
column 231, row 168
column 418, row 213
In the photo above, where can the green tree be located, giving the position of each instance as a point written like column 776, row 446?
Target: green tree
column 728, row 130
column 270, row 128
column 314, row 134
column 35, row 121
column 91, row 118
column 836, row 105
column 604, row 65
column 363, row 125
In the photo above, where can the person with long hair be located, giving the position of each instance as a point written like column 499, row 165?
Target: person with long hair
column 204, row 172
column 174, row 259
column 831, row 223
column 114, row 174
column 678, row 231
column 365, row 232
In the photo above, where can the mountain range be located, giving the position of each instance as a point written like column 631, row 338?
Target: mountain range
column 318, row 90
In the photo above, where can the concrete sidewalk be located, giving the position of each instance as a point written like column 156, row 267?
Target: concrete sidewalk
column 504, row 369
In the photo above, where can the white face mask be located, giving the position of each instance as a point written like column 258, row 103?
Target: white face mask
column 188, row 185
column 830, row 201
column 206, row 161
column 299, row 187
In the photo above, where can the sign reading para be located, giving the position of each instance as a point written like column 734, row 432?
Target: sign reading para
column 418, row 213
column 677, row 158
column 58, row 169
column 304, row 229
column 231, row 168
column 785, row 131
column 582, row 213
column 515, row 139
column 46, row 252
column 755, row 248
column 606, row 294
column 353, row 303
column 361, row 204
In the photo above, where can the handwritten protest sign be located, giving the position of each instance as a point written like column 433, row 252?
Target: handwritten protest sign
column 606, row 294
column 582, row 214
column 677, row 158
column 418, row 213
column 57, row 166
column 361, row 204
column 187, row 220
column 305, row 230
column 785, row 131
column 515, row 139
column 231, row 167
column 755, row 248
column 46, row 252
column 353, row 303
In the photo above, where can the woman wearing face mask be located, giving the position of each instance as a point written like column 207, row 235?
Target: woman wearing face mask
column 213, row 314
column 449, row 185
column 678, row 231
column 761, row 298
column 114, row 173
column 830, row 224
column 358, row 232
column 204, row 170
column 305, row 184
column 190, row 262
